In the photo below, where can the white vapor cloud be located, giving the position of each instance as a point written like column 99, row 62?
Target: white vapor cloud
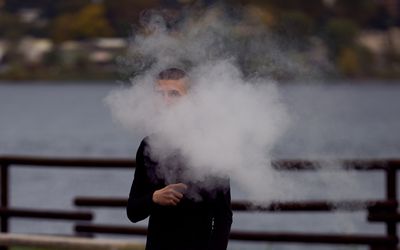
column 228, row 123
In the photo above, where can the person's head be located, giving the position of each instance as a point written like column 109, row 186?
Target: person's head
column 172, row 83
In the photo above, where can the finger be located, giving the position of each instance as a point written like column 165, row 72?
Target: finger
column 179, row 186
column 172, row 202
column 176, row 194
column 174, row 198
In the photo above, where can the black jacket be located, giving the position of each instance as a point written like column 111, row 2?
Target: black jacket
column 196, row 223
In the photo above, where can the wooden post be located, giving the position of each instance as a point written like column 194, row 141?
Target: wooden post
column 4, row 199
column 391, row 195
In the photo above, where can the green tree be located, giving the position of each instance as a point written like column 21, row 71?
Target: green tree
column 360, row 11
column 123, row 14
column 70, row 6
column 296, row 27
column 313, row 8
column 348, row 62
column 88, row 22
column 340, row 33
column 10, row 26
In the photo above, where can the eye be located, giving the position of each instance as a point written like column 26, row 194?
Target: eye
column 174, row 93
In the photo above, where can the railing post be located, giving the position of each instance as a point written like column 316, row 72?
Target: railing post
column 4, row 198
column 391, row 194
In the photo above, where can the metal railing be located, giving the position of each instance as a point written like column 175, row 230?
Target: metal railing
column 383, row 211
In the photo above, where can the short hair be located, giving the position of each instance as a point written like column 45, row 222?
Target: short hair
column 171, row 74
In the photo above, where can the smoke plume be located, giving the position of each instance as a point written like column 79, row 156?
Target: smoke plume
column 232, row 117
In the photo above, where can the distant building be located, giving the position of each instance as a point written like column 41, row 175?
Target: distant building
column 34, row 49
column 72, row 51
column 3, row 50
column 110, row 43
column 329, row 3
column 378, row 41
column 374, row 40
column 29, row 15
column 100, row 51
column 395, row 39
column 104, row 50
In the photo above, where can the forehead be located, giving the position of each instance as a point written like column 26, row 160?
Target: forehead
column 171, row 84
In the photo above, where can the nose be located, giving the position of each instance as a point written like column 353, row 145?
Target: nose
column 167, row 99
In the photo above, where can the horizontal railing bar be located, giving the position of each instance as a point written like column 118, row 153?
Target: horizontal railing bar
column 68, row 162
column 356, row 239
column 384, row 217
column 346, row 164
column 91, row 201
column 301, row 206
column 295, row 164
column 60, row 242
column 359, row 239
column 45, row 214
column 249, row 206
column 110, row 229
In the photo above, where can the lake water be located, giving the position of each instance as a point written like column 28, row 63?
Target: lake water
column 69, row 119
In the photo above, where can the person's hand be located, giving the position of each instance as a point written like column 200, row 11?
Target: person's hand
column 169, row 195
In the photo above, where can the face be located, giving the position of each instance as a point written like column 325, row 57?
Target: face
column 171, row 90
